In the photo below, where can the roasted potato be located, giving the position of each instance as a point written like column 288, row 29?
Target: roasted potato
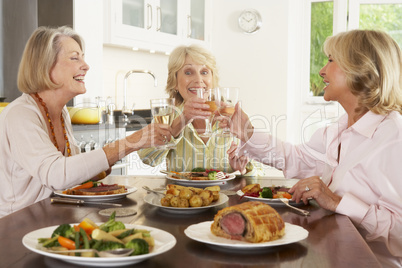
column 251, row 188
column 195, row 201
column 174, row 201
column 183, row 203
column 186, row 193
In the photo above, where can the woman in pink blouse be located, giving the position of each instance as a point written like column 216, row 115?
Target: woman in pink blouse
column 352, row 167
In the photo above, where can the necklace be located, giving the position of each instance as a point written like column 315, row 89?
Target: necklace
column 52, row 127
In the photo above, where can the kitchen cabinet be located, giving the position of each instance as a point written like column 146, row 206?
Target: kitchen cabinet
column 158, row 25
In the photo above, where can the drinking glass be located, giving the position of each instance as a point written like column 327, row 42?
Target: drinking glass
column 209, row 96
column 226, row 99
column 163, row 111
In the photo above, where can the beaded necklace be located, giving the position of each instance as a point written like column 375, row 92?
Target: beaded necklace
column 52, row 127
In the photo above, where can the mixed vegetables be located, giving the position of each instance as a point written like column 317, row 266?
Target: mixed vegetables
column 255, row 190
column 107, row 236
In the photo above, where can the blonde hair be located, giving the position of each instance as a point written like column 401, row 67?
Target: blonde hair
column 372, row 62
column 40, row 56
column 176, row 61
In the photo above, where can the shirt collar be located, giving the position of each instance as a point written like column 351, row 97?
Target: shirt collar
column 368, row 123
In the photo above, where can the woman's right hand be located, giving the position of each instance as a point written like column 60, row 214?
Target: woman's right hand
column 195, row 108
column 240, row 124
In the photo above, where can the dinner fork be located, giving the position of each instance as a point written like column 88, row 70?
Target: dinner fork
column 286, row 202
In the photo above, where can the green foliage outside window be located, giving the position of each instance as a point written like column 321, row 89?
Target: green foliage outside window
column 321, row 28
column 385, row 17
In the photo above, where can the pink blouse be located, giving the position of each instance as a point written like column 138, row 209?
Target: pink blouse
column 368, row 175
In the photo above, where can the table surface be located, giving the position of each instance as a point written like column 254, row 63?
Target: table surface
column 333, row 241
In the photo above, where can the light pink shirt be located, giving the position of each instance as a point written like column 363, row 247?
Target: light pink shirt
column 31, row 167
column 368, row 175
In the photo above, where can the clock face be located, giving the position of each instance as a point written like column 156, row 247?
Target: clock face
column 250, row 21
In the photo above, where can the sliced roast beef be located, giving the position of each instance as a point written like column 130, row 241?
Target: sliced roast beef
column 233, row 224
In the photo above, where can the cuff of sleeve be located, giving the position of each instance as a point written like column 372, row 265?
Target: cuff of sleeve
column 257, row 140
column 352, row 207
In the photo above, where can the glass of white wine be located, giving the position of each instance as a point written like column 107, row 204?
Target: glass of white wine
column 163, row 112
column 209, row 96
column 226, row 99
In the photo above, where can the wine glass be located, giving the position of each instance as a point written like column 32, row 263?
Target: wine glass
column 209, row 96
column 163, row 111
column 226, row 99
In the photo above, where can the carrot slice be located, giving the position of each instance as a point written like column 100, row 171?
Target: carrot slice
column 65, row 242
column 87, row 185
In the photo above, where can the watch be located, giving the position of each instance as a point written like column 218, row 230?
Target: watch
column 250, row 21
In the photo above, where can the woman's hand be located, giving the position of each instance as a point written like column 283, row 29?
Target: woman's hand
column 235, row 161
column 240, row 125
column 151, row 135
column 314, row 187
column 194, row 108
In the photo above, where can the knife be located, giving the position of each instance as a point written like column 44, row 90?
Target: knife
column 64, row 200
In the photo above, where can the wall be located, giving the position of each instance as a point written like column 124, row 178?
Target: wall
column 256, row 63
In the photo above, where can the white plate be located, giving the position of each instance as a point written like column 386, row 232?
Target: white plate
column 202, row 183
column 269, row 201
column 155, row 200
column 164, row 241
column 201, row 232
column 97, row 198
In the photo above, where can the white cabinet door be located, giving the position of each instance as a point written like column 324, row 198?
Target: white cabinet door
column 158, row 25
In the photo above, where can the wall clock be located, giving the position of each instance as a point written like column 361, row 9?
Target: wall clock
column 250, row 21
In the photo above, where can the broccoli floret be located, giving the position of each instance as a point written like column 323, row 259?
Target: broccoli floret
column 107, row 245
column 212, row 175
column 139, row 245
column 198, row 169
column 117, row 225
column 64, row 230
column 266, row 193
column 112, row 225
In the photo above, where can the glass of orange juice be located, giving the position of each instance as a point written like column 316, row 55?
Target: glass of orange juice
column 209, row 96
column 226, row 99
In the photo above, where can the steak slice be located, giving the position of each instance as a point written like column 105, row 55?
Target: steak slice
column 99, row 190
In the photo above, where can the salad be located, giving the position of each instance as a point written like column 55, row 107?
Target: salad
column 107, row 236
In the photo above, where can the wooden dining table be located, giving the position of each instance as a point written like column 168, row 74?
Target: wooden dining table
column 332, row 241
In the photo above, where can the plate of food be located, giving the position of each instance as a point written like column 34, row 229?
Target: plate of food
column 186, row 200
column 97, row 191
column 269, row 195
column 200, row 177
column 234, row 228
column 149, row 242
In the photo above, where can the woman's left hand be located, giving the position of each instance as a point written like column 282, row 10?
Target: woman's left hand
column 315, row 188
column 235, row 161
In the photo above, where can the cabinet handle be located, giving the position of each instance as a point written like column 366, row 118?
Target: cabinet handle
column 149, row 9
column 158, row 19
column 188, row 26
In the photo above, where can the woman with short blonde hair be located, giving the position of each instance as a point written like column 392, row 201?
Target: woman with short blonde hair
column 351, row 167
column 371, row 62
column 177, row 60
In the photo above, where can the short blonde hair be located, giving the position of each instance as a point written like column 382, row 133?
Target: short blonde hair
column 40, row 56
column 176, row 61
column 372, row 62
